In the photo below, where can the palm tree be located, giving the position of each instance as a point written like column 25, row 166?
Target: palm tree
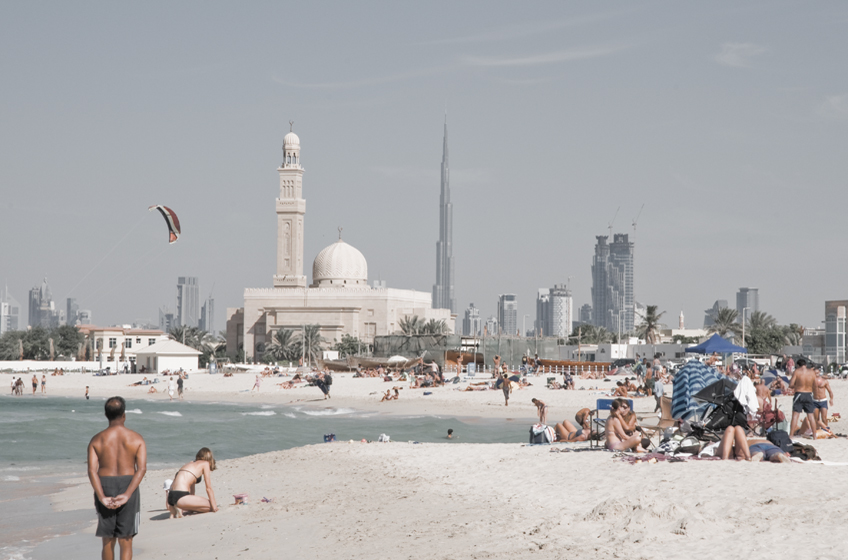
column 590, row 334
column 410, row 326
column 725, row 323
column 434, row 327
column 649, row 329
column 190, row 336
column 282, row 345
column 309, row 342
column 760, row 320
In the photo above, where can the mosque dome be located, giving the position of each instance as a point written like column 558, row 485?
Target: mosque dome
column 340, row 265
column 291, row 140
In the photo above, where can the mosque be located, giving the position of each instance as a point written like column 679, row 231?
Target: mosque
column 339, row 298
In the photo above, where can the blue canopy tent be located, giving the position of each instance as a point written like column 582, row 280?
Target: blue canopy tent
column 688, row 381
column 716, row 344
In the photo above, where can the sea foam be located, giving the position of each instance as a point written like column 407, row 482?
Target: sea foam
column 170, row 413
column 263, row 413
column 134, row 411
column 328, row 412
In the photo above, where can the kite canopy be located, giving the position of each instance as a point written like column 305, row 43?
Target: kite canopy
column 170, row 219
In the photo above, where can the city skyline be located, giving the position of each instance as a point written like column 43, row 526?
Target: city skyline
column 713, row 117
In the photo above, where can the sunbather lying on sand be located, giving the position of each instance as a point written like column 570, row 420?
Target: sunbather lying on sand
column 566, row 431
column 734, row 441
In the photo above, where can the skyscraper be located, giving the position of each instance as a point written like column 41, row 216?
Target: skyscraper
column 612, row 284
column 188, row 302
column 72, row 311
column 42, row 309
column 747, row 297
column 207, row 315
column 543, row 309
column 561, row 312
column 443, row 296
column 508, row 314
column 10, row 312
column 472, row 324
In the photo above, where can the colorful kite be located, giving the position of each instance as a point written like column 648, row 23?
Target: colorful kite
column 170, row 219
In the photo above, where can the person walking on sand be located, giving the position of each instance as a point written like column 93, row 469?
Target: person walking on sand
column 86, row 392
column 802, row 381
column 180, row 385
column 117, row 461
column 171, row 387
column 43, row 383
column 506, row 386
column 34, row 383
column 257, row 384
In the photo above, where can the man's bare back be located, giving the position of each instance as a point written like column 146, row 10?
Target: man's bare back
column 117, row 461
column 802, row 380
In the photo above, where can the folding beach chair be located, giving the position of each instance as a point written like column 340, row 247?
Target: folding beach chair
column 666, row 420
column 598, row 425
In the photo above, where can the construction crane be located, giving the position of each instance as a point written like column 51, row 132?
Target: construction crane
column 613, row 221
column 636, row 219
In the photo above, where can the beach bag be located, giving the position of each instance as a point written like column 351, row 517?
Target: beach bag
column 781, row 439
column 384, row 438
column 541, row 433
column 328, row 379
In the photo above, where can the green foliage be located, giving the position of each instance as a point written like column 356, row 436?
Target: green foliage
column 66, row 341
column 282, row 346
column 681, row 339
column 649, row 330
column 349, row 346
column 10, row 345
column 590, row 334
column 725, row 324
column 309, row 343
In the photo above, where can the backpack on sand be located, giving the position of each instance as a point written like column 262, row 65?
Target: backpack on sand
column 541, row 433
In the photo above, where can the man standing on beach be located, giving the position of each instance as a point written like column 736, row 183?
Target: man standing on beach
column 802, row 381
column 821, row 390
column 117, row 461
column 180, row 385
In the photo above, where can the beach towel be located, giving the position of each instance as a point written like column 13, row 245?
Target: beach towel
column 541, row 433
column 747, row 395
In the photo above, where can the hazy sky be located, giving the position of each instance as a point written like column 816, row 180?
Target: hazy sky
column 728, row 123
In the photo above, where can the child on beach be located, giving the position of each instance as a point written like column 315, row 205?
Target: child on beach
column 86, row 392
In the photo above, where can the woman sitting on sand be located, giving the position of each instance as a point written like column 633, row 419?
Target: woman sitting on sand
column 566, row 431
column 617, row 425
column 181, row 497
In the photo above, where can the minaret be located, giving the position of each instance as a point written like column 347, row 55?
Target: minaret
column 443, row 296
column 291, row 208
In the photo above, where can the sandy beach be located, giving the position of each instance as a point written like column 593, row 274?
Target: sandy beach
column 458, row 500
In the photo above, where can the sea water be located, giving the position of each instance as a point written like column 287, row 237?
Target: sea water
column 43, row 441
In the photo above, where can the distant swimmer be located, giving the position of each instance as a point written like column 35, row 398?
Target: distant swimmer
column 117, row 461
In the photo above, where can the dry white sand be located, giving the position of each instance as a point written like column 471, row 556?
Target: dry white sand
column 452, row 500
column 455, row 500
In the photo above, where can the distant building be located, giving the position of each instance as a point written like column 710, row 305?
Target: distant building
column 586, row 314
column 834, row 330
column 166, row 320
column 543, row 307
column 188, row 302
column 747, row 297
column 711, row 313
column 443, row 289
column 508, row 314
column 612, row 283
column 84, row 316
column 72, row 311
column 207, row 315
column 554, row 311
column 10, row 312
column 42, row 308
column 472, row 324
column 491, row 326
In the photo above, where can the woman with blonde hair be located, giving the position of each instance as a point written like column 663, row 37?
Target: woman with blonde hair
column 181, row 497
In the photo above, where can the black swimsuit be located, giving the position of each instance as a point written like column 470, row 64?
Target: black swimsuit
column 175, row 495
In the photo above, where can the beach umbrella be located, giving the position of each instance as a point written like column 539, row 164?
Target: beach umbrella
column 688, row 381
column 717, row 392
column 716, row 344
column 397, row 360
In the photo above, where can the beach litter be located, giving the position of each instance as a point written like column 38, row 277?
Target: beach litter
column 241, row 499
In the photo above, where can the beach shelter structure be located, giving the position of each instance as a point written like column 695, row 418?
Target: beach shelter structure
column 688, row 381
column 716, row 344
column 168, row 354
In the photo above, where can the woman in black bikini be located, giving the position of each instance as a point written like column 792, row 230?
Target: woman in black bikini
column 182, row 497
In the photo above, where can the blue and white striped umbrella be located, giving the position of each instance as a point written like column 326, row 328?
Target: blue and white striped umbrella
column 690, row 379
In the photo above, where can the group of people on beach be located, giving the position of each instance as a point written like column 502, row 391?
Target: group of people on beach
column 117, row 463
column 18, row 385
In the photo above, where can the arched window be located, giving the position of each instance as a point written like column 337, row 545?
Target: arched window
column 294, row 159
column 288, row 159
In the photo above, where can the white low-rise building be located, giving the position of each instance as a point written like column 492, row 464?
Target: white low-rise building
column 168, row 355
column 119, row 343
